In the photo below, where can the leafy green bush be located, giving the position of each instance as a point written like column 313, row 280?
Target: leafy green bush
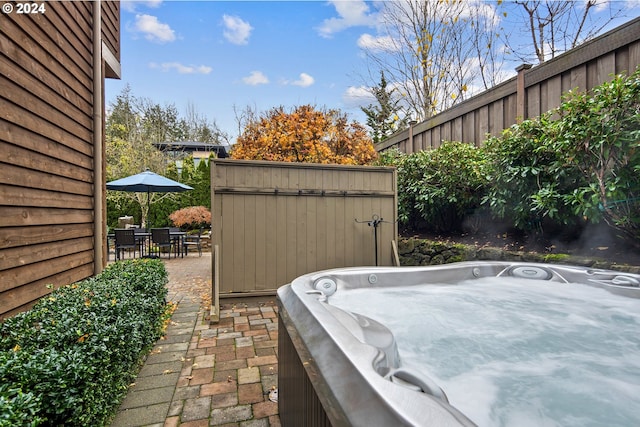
column 598, row 136
column 16, row 407
column 524, row 185
column 577, row 163
column 406, row 174
column 438, row 188
column 70, row 358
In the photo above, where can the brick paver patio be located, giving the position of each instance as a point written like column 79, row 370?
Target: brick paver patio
column 204, row 374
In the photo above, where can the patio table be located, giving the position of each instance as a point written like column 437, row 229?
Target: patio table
column 176, row 236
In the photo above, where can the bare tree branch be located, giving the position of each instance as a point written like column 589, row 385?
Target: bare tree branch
column 555, row 26
column 436, row 51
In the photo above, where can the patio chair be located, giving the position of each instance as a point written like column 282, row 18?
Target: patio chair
column 161, row 238
column 193, row 240
column 177, row 236
column 141, row 238
column 125, row 239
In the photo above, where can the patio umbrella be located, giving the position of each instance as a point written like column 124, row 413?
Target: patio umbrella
column 147, row 182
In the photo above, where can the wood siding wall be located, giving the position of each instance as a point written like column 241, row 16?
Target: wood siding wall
column 46, row 141
column 492, row 111
column 111, row 26
column 276, row 221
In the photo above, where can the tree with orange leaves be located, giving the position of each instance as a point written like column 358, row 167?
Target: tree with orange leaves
column 305, row 135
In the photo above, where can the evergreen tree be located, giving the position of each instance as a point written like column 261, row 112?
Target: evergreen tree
column 132, row 128
column 384, row 118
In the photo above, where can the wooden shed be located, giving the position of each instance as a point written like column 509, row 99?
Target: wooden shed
column 52, row 219
column 274, row 221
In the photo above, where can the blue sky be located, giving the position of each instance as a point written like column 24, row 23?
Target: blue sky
column 214, row 55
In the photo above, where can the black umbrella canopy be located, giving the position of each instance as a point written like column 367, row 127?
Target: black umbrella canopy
column 147, row 182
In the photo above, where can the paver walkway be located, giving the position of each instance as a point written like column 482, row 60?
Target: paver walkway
column 204, row 374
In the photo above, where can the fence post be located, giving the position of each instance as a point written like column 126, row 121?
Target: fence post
column 411, row 146
column 521, row 93
column 215, row 284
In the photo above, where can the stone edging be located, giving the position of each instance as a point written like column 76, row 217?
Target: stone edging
column 414, row 252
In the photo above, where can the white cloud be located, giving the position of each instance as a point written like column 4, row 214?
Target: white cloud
column 305, row 80
column 236, row 30
column 255, row 78
column 182, row 69
column 380, row 43
column 350, row 14
column 130, row 5
column 357, row 97
column 153, row 29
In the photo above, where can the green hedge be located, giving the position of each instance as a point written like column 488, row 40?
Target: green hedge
column 438, row 187
column 69, row 360
column 571, row 167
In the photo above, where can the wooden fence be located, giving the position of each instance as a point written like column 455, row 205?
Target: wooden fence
column 532, row 92
column 273, row 221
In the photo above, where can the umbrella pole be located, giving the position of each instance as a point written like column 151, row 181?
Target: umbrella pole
column 146, row 225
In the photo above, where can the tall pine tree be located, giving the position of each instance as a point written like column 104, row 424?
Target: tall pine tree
column 384, row 118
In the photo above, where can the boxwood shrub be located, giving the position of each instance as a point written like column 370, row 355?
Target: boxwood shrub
column 69, row 360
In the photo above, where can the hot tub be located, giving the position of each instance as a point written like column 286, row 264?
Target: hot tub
column 472, row 343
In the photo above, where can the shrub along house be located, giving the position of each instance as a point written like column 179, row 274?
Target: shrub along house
column 53, row 63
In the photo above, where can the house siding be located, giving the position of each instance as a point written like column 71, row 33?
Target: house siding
column 46, row 137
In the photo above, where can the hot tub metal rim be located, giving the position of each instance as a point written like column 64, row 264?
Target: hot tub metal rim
column 296, row 298
column 391, row 406
column 464, row 270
